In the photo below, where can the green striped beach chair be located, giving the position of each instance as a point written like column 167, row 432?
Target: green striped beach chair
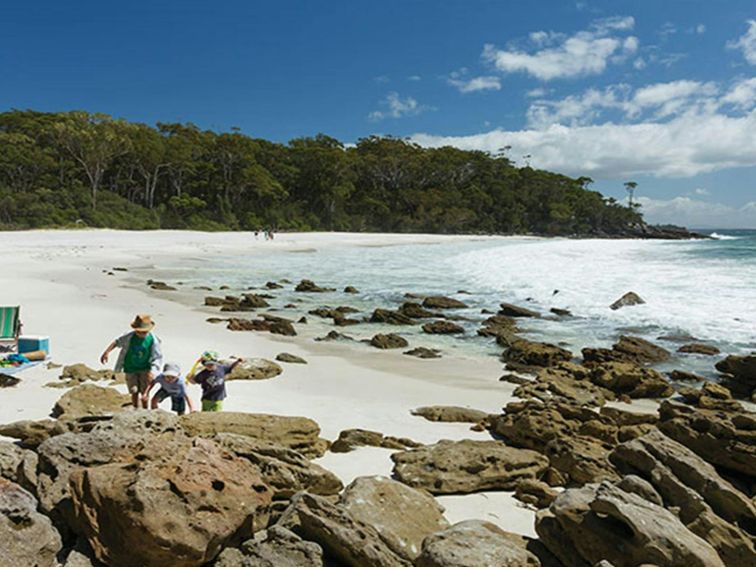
column 10, row 328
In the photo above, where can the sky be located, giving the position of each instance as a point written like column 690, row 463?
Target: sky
column 662, row 93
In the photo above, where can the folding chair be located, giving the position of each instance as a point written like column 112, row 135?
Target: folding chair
column 10, row 328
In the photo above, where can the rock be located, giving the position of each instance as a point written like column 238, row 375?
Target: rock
column 535, row 492
column 76, row 374
column 561, row 312
column 285, row 471
column 18, row 465
column 161, row 286
column 273, row 285
column 442, row 328
column 563, row 381
column 708, row 505
column 335, row 336
column 499, row 326
column 290, row 358
column 26, row 536
column 710, row 396
column 509, row 310
column 351, row 289
column 390, row 317
column 461, row 467
column 254, row 301
column 274, row 547
column 627, row 300
column 8, row 381
column 602, row 522
column 475, row 543
column 81, row 556
column 423, row 352
column 414, row 310
column 255, row 369
column 283, row 328
column 90, row 400
column 341, row 321
column 350, row 541
column 298, row 433
column 741, row 374
column 441, row 302
column 631, row 380
column 388, row 341
column 682, row 376
column 32, row 433
column 402, row 516
column 349, row 439
column 451, row 414
column 178, row 507
column 724, row 439
column 308, row 286
column 699, row 348
column 641, row 487
column 522, row 352
column 628, row 349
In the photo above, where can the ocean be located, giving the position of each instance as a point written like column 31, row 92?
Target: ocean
column 702, row 288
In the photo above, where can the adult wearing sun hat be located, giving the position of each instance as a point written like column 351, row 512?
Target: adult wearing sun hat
column 141, row 357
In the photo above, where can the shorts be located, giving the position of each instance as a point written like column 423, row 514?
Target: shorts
column 212, row 405
column 137, row 382
column 178, row 403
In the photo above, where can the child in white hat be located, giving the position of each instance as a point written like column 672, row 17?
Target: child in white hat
column 171, row 386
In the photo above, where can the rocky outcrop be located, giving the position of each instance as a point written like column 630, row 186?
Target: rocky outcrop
column 498, row 326
column 628, row 379
column 290, row 358
column 442, row 328
column 32, row 433
column 627, row 349
column 298, row 433
column 461, row 467
column 390, row 317
column 276, row 326
column 76, row 374
column 174, row 506
column 603, row 522
column 26, row 536
column 523, row 353
column 388, row 341
column 699, row 348
column 18, row 465
column 349, row 439
column 724, row 439
column 475, row 543
column 424, row 352
column 402, row 516
column 740, row 375
column 535, row 492
column 274, row 547
column 441, row 302
column 567, row 382
column 710, row 396
column 707, row 504
column 90, row 400
column 309, row 286
column 255, row 369
column 451, row 414
column 629, row 299
column 415, row 311
column 351, row 289
column 510, row 310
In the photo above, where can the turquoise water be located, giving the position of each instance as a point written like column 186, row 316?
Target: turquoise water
column 706, row 289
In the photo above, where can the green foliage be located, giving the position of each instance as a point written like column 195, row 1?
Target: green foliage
column 82, row 169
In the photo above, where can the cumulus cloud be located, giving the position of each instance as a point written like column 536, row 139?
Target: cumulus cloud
column 557, row 56
column 697, row 213
column 394, row 106
column 476, row 84
column 742, row 94
column 746, row 43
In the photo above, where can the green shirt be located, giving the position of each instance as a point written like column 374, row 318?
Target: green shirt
column 138, row 354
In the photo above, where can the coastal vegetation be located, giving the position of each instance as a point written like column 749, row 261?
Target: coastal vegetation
column 79, row 168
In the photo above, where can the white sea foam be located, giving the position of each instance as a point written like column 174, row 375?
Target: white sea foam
column 717, row 236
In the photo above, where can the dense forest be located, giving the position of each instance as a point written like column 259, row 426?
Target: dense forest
column 82, row 169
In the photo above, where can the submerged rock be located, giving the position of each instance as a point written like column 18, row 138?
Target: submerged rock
column 699, row 348
column 510, row 310
column 627, row 300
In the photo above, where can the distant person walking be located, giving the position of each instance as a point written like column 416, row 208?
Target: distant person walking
column 141, row 358
column 212, row 379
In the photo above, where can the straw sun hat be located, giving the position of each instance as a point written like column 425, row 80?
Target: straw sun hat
column 142, row 323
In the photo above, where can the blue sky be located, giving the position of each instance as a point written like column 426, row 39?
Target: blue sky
column 663, row 93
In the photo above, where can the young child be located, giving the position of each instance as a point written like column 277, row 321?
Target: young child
column 212, row 378
column 171, row 386
column 140, row 358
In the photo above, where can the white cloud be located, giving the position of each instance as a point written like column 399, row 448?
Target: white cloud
column 382, row 79
column 700, row 29
column 639, row 63
column 747, row 43
column 476, row 84
column 699, row 214
column 585, row 53
column 742, row 94
column 414, row 78
column 397, row 107
column 701, row 191
column 536, row 93
column 684, row 146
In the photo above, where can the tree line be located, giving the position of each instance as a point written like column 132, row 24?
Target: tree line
column 80, row 168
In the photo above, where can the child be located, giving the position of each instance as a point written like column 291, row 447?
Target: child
column 171, row 386
column 140, row 357
column 212, row 378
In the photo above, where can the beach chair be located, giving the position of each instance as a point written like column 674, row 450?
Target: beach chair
column 10, row 328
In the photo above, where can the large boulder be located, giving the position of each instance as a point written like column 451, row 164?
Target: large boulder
column 255, row 369
column 176, row 504
column 740, row 374
column 625, row 378
column 90, row 400
column 390, row 317
column 26, row 536
column 298, row 433
column 403, row 516
column 443, row 328
column 509, row 310
column 18, row 465
column 627, row 300
column 724, row 439
column 567, row 382
column 627, row 349
column 474, row 543
column 441, row 302
column 461, row 467
column 388, row 341
column 523, row 353
column 284, row 470
column 603, row 522
column 451, row 414
column 708, row 505
column 274, row 547
column 498, row 326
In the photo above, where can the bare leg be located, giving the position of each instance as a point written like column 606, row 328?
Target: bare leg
column 154, row 403
column 135, row 399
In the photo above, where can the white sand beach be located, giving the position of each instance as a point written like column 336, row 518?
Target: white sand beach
column 60, row 279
